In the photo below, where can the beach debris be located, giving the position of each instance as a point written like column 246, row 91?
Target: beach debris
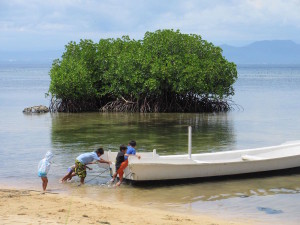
column 269, row 210
column 103, row 222
column 244, row 196
column 36, row 109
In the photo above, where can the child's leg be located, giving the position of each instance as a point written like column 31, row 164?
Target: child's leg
column 80, row 171
column 45, row 183
column 121, row 173
column 72, row 175
column 82, row 180
column 65, row 177
column 124, row 165
column 122, row 168
column 113, row 177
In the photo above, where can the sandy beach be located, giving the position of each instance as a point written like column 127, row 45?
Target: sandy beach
column 34, row 207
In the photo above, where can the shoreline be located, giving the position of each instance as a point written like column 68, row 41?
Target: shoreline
column 23, row 206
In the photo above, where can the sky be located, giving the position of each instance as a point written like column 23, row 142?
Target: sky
column 50, row 24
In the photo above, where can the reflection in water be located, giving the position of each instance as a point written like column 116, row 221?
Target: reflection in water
column 165, row 132
column 214, row 190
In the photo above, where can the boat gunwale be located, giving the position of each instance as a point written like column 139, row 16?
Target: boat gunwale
column 209, row 162
column 235, row 151
column 192, row 161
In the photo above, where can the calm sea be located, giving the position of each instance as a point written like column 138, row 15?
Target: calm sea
column 267, row 113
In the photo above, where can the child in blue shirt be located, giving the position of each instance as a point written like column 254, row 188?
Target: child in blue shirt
column 87, row 158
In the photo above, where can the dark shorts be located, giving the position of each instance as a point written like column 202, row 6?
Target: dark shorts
column 80, row 170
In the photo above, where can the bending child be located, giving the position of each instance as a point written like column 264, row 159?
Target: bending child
column 86, row 158
column 71, row 173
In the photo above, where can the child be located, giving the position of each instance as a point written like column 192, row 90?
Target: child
column 87, row 158
column 130, row 151
column 43, row 169
column 71, row 173
column 119, row 160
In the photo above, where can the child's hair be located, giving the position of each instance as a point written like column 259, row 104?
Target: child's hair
column 100, row 151
column 132, row 143
column 123, row 147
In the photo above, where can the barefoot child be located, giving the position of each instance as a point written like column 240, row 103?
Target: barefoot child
column 71, row 173
column 130, row 152
column 43, row 169
column 86, row 158
column 119, row 160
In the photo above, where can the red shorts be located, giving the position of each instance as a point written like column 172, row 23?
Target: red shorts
column 123, row 166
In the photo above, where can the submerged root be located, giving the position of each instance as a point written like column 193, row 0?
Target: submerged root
column 58, row 105
column 146, row 105
column 155, row 106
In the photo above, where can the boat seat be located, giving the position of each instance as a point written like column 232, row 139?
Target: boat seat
column 251, row 157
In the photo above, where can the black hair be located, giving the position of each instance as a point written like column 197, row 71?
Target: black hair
column 100, row 151
column 132, row 143
column 123, row 147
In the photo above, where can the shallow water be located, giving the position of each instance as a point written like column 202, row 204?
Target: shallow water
column 270, row 116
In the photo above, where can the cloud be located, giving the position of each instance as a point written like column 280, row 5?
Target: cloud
column 216, row 20
column 243, row 20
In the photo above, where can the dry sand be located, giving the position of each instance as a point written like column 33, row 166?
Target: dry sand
column 33, row 207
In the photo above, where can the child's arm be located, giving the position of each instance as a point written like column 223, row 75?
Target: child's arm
column 89, row 168
column 104, row 161
column 136, row 155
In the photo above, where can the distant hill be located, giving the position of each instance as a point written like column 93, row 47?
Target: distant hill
column 264, row 52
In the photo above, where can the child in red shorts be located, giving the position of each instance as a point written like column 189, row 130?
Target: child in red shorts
column 123, row 160
column 119, row 160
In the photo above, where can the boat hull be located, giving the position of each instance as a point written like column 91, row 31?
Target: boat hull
column 146, row 172
column 152, row 167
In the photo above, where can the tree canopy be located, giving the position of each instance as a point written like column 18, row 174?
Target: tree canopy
column 167, row 71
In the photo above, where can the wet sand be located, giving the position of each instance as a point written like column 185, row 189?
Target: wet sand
column 34, row 207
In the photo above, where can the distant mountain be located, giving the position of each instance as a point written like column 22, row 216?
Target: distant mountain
column 260, row 52
column 264, row 52
column 29, row 57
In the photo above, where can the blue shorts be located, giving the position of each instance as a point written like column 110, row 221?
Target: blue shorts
column 70, row 170
column 41, row 174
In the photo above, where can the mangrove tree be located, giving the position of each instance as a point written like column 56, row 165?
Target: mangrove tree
column 167, row 71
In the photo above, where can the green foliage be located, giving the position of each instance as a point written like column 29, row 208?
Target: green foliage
column 74, row 76
column 165, row 72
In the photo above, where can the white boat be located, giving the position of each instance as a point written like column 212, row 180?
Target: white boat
column 153, row 167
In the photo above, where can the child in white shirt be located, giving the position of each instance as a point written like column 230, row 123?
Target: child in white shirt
column 43, row 169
